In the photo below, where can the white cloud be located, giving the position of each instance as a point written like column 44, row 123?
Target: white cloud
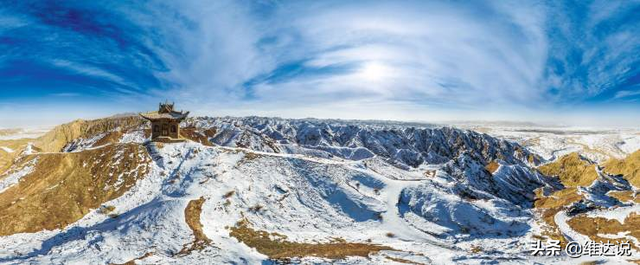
column 409, row 59
column 431, row 52
column 89, row 70
column 216, row 54
column 626, row 93
column 473, row 57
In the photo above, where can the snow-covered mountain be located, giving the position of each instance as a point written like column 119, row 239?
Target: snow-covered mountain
column 597, row 144
column 461, row 154
column 264, row 190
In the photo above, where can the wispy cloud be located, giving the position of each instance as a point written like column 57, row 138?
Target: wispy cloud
column 419, row 53
column 65, row 94
column 398, row 59
column 422, row 52
column 627, row 93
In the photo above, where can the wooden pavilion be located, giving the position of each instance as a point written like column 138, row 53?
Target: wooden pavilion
column 165, row 123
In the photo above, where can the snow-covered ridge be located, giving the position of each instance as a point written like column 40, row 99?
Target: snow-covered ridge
column 427, row 192
column 405, row 146
column 461, row 153
column 402, row 144
column 597, row 144
column 307, row 199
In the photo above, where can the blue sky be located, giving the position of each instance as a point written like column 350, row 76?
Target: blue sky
column 573, row 62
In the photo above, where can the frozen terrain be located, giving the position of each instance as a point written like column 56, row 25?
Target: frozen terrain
column 551, row 143
column 422, row 192
column 13, row 134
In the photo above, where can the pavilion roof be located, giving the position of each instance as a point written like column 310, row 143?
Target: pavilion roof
column 173, row 115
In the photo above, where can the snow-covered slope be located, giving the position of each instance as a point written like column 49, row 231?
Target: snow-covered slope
column 462, row 154
column 306, row 199
column 400, row 144
column 260, row 190
column 551, row 143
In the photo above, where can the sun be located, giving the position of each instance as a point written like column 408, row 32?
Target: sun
column 374, row 71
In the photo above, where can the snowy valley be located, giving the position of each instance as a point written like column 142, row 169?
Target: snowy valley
column 267, row 190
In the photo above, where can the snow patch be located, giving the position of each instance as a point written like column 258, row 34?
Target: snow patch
column 136, row 136
column 6, row 149
column 15, row 177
